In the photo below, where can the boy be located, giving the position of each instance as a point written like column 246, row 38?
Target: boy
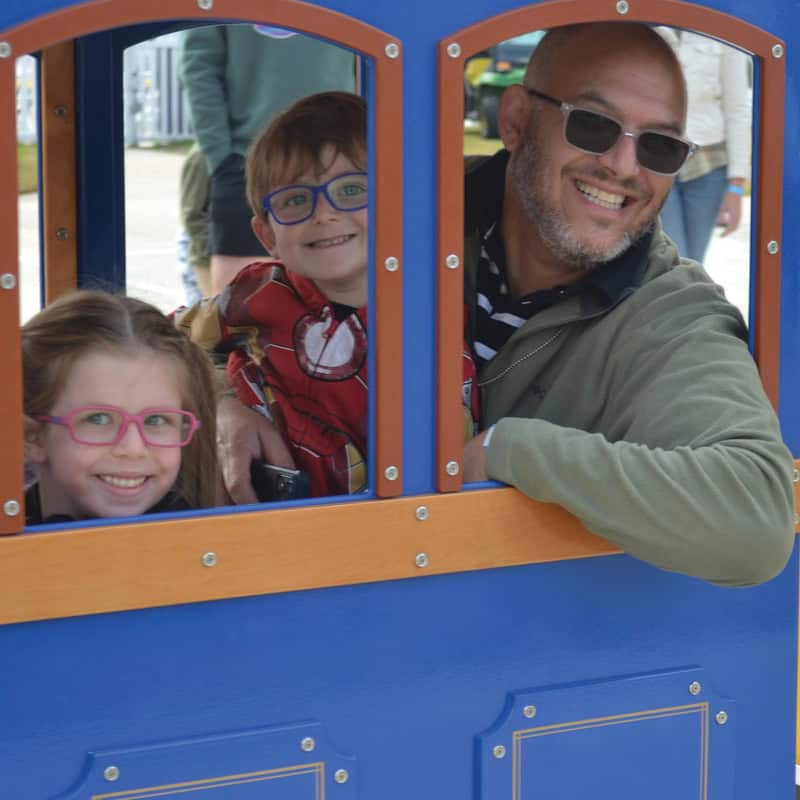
column 295, row 327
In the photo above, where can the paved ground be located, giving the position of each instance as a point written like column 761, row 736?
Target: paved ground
column 152, row 226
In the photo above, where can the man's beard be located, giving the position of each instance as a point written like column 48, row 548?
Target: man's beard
column 527, row 171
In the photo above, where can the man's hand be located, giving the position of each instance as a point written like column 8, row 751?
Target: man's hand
column 244, row 435
column 475, row 461
column 730, row 212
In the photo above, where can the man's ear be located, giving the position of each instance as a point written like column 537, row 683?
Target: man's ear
column 35, row 451
column 264, row 233
column 513, row 116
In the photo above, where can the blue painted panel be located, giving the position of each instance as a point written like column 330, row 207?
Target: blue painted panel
column 291, row 762
column 402, row 675
column 610, row 738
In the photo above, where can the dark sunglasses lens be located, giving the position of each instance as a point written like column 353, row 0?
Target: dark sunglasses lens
column 591, row 132
column 661, row 153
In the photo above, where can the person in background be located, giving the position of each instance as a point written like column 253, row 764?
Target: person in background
column 193, row 235
column 236, row 77
column 709, row 188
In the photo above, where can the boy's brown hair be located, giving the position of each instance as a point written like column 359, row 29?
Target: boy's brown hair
column 296, row 137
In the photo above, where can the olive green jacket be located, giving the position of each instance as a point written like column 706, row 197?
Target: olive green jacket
column 648, row 421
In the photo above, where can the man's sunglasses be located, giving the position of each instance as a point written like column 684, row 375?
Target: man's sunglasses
column 597, row 133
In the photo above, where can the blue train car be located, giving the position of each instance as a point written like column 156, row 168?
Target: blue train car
column 424, row 640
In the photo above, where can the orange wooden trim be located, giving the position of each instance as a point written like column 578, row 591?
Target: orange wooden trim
column 11, row 484
column 58, row 173
column 388, row 169
column 450, row 178
column 160, row 563
column 69, row 23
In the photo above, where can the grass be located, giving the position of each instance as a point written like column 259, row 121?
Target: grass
column 27, row 168
column 475, row 145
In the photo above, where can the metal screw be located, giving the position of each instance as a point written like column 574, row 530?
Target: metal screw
column 721, row 718
column 452, row 261
column 60, row 111
column 694, row 688
column 11, row 508
column 391, row 473
column 62, row 234
column 451, row 468
column 772, row 247
column 529, row 711
column 341, row 775
column 8, row 280
column 499, row 751
column 209, row 559
column 5, row 49
column 391, row 264
column 392, row 50
column 421, row 560
column 205, row 5
column 307, row 744
column 796, row 475
column 623, row 7
column 777, row 51
column 421, row 513
column 454, row 50
column 111, row 773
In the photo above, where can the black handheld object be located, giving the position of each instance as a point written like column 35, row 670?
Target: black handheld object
column 278, row 483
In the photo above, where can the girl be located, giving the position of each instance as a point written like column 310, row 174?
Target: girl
column 119, row 411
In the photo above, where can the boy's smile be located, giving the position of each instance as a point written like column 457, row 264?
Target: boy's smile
column 330, row 247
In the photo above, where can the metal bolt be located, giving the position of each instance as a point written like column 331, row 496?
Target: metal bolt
column 5, row 49
column 694, row 688
column 209, row 559
column 60, row 111
column 451, row 468
column 796, row 475
column 8, row 280
column 499, row 751
column 772, row 247
column 391, row 473
column 111, row 773
column 307, row 744
column 623, row 7
column 529, row 711
column 721, row 717
column 454, row 49
column 11, row 508
column 205, row 5
column 421, row 513
column 341, row 775
column 391, row 264
column 392, row 50
column 421, row 560
column 777, row 51
column 62, row 234
column 452, row 261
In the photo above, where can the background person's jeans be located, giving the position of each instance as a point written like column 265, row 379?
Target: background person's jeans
column 691, row 210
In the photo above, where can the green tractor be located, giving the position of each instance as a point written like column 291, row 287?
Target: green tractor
column 489, row 73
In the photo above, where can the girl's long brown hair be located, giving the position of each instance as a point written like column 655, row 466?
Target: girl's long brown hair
column 90, row 321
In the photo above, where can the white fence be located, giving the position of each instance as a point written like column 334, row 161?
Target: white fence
column 155, row 107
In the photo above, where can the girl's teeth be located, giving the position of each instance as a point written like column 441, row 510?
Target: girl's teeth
column 122, row 483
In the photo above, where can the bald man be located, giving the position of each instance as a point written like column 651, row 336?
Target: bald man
column 616, row 378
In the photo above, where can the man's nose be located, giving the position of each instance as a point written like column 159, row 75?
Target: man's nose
column 131, row 442
column 621, row 158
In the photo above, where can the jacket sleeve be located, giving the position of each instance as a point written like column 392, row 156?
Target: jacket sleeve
column 202, row 72
column 695, row 478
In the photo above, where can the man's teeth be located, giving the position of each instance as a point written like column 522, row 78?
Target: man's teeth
column 331, row 242
column 123, row 483
column 599, row 197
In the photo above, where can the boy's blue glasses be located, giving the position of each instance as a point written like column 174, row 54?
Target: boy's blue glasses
column 106, row 425
column 292, row 204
